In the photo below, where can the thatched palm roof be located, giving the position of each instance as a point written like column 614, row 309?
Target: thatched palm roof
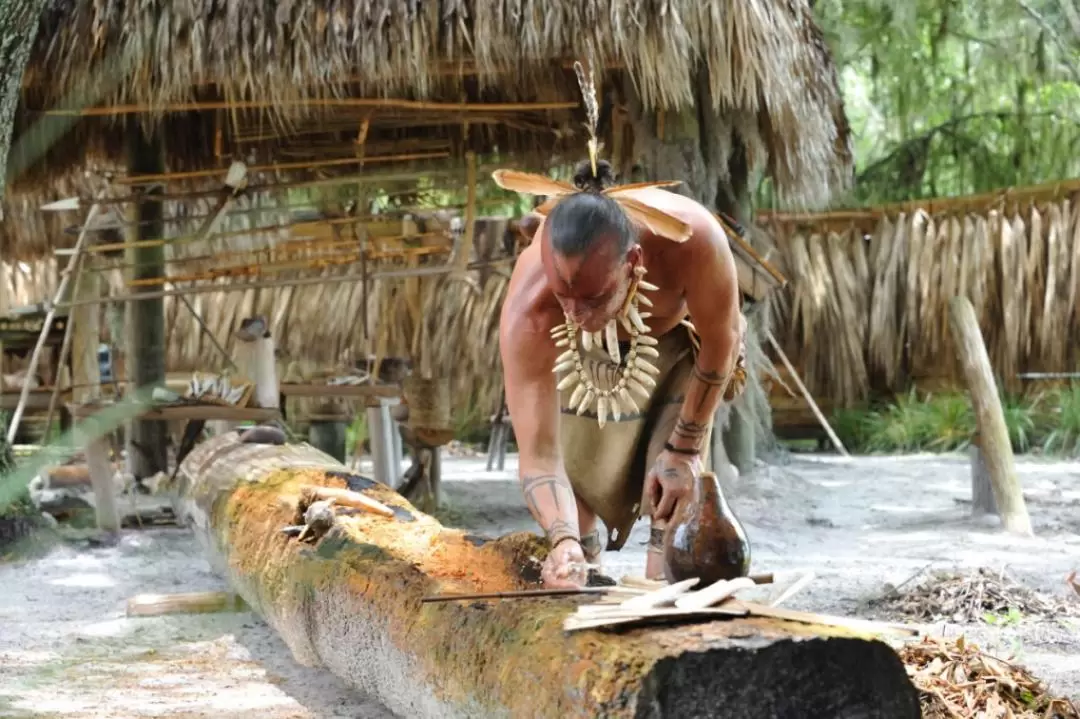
column 292, row 80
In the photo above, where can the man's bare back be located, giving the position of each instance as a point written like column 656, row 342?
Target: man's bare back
column 532, row 306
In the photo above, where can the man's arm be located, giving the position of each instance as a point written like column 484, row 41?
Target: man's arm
column 527, row 354
column 712, row 298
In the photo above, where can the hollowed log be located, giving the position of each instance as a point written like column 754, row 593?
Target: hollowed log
column 351, row 602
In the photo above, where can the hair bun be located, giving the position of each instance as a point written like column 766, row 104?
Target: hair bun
column 585, row 180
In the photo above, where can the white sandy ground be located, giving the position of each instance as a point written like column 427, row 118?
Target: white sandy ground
column 67, row 650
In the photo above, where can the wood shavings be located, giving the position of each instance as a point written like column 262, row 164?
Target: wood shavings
column 955, row 679
column 978, row 597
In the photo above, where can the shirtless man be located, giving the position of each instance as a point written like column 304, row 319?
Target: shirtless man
column 623, row 438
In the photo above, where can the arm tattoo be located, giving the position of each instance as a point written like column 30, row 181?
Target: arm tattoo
column 692, row 432
column 560, row 529
column 533, row 483
column 711, row 378
column 656, row 539
column 537, row 486
column 714, row 383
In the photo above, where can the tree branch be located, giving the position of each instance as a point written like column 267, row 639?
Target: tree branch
column 1049, row 30
column 912, row 143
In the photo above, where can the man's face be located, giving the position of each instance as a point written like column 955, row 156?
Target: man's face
column 591, row 288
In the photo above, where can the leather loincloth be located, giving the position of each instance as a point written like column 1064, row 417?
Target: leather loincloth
column 607, row 467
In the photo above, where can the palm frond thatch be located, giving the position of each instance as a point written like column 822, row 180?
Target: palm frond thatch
column 866, row 307
column 763, row 60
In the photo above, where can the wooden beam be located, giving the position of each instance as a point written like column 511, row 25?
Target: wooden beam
column 994, row 444
column 289, row 282
column 152, row 178
column 232, row 105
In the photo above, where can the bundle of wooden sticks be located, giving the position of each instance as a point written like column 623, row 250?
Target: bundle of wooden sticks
column 634, row 600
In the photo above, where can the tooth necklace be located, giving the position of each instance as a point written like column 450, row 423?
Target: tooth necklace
column 635, row 375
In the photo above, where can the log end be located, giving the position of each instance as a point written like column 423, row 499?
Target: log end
column 821, row 677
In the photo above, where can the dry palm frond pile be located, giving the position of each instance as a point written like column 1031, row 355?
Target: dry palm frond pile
column 957, row 680
column 984, row 595
column 881, row 289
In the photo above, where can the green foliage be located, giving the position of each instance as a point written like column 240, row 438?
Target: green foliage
column 1064, row 422
column 949, row 98
column 1047, row 422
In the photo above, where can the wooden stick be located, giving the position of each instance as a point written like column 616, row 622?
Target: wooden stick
column 794, row 589
column 762, row 610
column 35, row 356
column 643, row 583
column 660, row 596
column 809, row 399
column 290, row 282
column 349, row 498
column 381, row 178
column 994, row 443
column 154, row 605
column 464, row 250
column 715, row 593
column 523, row 594
column 418, row 105
column 65, row 346
column 1049, row 192
column 263, row 229
column 278, row 167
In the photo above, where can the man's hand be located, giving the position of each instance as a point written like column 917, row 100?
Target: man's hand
column 559, row 571
column 671, row 479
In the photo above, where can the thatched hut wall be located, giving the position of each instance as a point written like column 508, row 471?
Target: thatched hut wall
column 320, row 328
column 865, row 313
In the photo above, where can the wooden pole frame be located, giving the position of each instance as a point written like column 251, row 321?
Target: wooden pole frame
column 73, row 262
column 292, row 282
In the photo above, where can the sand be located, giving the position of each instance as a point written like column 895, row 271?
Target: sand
column 67, row 650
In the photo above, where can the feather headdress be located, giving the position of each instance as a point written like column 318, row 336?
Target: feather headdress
column 657, row 221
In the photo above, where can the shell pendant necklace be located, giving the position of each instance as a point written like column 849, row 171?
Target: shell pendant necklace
column 634, row 376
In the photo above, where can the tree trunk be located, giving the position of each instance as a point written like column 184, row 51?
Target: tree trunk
column 994, row 445
column 351, row 602
column 701, row 148
column 18, row 31
column 146, row 318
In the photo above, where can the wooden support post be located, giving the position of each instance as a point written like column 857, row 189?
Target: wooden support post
column 995, row 447
column 382, row 448
column 147, row 439
column 399, row 450
column 101, row 480
column 86, row 338
column 465, row 248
